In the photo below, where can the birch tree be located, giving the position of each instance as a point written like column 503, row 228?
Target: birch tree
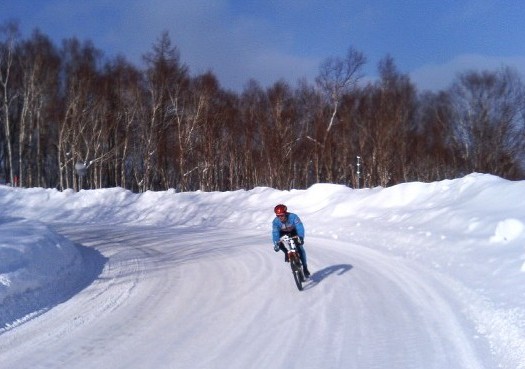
column 337, row 76
column 40, row 65
column 10, row 35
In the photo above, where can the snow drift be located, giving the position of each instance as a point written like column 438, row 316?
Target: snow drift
column 469, row 232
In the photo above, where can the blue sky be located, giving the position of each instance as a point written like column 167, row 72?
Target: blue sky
column 237, row 40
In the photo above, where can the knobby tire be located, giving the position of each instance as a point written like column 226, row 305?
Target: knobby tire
column 297, row 275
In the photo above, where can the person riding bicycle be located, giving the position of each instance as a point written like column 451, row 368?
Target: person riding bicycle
column 290, row 224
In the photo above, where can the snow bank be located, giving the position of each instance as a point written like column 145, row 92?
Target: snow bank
column 37, row 267
column 477, row 221
column 40, row 255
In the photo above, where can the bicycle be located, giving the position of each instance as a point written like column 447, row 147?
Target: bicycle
column 295, row 259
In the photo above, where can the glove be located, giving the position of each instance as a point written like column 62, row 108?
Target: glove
column 276, row 247
column 300, row 240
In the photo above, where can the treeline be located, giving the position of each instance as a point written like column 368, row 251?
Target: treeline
column 72, row 119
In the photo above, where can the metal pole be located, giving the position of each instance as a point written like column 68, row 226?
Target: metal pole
column 358, row 171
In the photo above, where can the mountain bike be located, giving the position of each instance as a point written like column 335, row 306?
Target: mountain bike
column 290, row 243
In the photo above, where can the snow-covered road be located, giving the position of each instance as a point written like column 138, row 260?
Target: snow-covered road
column 187, row 298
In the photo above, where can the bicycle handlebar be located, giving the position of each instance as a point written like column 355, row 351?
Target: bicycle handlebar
column 286, row 237
column 287, row 241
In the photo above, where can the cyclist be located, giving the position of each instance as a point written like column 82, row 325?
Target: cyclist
column 290, row 224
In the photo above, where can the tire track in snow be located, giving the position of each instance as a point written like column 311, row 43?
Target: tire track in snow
column 403, row 316
column 168, row 294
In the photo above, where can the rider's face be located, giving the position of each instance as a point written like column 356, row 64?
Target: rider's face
column 282, row 217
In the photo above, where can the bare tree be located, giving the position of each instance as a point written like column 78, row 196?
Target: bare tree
column 433, row 155
column 280, row 136
column 78, row 127
column 253, row 116
column 9, row 94
column 488, row 110
column 124, row 92
column 169, row 126
column 40, row 65
column 161, row 128
column 209, row 142
column 395, row 105
column 337, row 76
column 310, row 107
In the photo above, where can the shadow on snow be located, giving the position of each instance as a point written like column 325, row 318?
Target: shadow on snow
column 322, row 274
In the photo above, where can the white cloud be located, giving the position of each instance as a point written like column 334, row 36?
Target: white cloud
column 235, row 48
column 436, row 77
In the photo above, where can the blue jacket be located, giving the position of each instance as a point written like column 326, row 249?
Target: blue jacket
column 292, row 225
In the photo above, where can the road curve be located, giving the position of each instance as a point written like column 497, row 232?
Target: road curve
column 181, row 298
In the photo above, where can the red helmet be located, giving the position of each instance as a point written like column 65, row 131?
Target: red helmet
column 280, row 209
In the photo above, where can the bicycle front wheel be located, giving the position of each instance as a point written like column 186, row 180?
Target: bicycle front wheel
column 298, row 276
column 298, row 281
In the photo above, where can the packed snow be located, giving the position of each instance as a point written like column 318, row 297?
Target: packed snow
column 418, row 275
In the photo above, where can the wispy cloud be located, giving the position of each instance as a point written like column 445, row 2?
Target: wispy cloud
column 263, row 40
column 440, row 76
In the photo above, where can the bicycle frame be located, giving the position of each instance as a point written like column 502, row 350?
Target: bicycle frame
column 289, row 243
column 295, row 259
